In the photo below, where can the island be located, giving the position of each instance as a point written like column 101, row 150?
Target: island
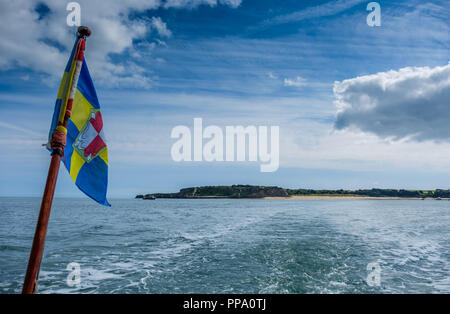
column 274, row 192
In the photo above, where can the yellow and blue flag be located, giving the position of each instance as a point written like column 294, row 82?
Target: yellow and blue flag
column 85, row 153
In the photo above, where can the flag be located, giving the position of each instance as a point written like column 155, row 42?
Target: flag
column 85, row 153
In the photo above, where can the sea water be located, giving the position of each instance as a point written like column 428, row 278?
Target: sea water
column 231, row 246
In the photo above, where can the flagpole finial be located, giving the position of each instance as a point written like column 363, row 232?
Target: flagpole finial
column 84, row 31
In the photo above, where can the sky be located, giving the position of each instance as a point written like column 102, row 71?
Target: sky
column 357, row 106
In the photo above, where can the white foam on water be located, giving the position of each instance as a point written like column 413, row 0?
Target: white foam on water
column 171, row 248
column 412, row 257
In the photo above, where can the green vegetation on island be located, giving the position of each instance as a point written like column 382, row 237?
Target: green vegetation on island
column 234, row 191
column 257, row 192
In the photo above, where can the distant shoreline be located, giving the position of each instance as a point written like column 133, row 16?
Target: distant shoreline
column 274, row 193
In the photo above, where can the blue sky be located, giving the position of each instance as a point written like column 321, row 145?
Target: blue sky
column 357, row 106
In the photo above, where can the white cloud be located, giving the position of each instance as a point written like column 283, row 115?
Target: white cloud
column 161, row 27
column 411, row 103
column 231, row 3
column 34, row 42
column 297, row 82
column 272, row 76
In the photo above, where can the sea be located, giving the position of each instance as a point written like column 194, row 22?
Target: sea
column 231, row 246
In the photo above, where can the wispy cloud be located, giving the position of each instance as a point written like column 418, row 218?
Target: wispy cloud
column 19, row 129
column 327, row 9
column 160, row 27
column 195, row 3
column 297, row 82
column 272, row 76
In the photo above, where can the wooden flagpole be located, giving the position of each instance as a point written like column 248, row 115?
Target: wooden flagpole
column 58, row 143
